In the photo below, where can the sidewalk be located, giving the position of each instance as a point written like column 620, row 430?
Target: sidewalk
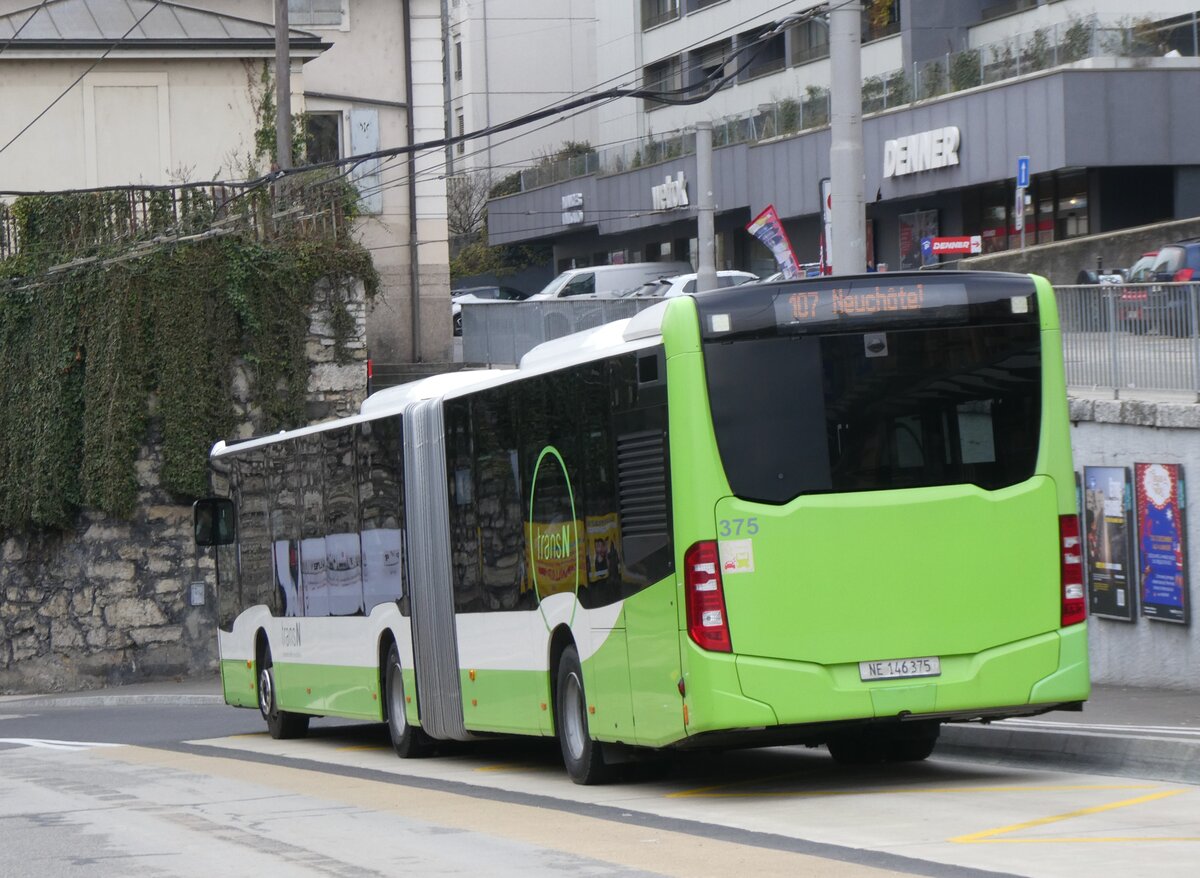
column 1147, row 733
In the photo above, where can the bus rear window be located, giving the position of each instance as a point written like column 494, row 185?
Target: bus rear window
column 870, row 411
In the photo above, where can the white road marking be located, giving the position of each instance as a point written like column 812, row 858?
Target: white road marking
column 48, row 744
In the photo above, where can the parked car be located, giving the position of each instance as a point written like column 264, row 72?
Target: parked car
column 682, row 284
column 608, row 279
column 1166, row 305
column 481, row 294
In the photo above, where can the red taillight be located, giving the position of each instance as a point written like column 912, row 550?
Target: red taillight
column 707, row 623
column 1184, row 275
column 1074, row 602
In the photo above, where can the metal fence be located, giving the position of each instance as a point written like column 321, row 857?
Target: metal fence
column 500, row 333
column 1116, row 338
column 1131, row 337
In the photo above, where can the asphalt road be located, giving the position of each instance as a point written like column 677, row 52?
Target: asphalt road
column 112, row 789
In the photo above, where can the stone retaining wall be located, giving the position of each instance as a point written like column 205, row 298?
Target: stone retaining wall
column 111, row 602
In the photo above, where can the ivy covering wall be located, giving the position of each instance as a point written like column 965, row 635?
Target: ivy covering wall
column 91, row 352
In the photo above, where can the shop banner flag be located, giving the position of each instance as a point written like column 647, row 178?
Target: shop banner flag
column 768, row 229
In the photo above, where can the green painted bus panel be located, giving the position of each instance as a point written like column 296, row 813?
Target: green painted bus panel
column 500, row 701
column 715, row 699
column 895, row 574
column 412, row 709
column 652, row 629
column 328, row 689
column 1054, row 451
column 239, row 683
column 606, row 683
column 1072, row 680
column 1005, row 676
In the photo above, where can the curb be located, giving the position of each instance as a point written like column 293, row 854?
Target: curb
column 1146, row 756
column 108, row 700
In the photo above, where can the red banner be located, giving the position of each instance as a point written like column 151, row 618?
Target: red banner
column 963, row 245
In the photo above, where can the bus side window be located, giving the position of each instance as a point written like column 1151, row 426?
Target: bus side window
column 498, row 497
column 283, row 472
column 642, row 468
column 314, row 592
column 464, row 513
column 381, row 511
column 343, row 551
column 254, row 532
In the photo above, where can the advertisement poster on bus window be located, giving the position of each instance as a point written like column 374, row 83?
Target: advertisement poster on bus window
column 1162, row 559
column 1106, row 538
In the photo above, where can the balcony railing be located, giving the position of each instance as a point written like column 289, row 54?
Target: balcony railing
column 1038, row 50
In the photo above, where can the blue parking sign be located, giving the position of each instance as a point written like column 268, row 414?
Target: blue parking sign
column 1023, row 172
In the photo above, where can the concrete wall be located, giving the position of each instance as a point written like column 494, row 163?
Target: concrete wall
column 1121, row 433
column 1062, row 260
column 109, row 602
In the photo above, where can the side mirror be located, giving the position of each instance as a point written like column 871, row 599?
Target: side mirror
column 213, row 521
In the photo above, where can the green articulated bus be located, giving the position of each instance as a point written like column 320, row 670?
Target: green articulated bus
column 837, row 511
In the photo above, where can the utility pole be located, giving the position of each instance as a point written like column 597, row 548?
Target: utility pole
column 283, row 88
column 706, row 259
column 848, row 249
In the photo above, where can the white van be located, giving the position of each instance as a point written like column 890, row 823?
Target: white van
column 608, row 279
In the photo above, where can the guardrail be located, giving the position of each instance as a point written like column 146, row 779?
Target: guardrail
column 1124, row 337
column 1116, row 338
column 500, row 333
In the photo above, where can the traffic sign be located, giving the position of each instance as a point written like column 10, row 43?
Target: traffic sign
column 1023, row 172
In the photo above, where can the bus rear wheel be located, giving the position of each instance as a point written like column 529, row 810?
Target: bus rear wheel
column 408, row 741
column 583, row 757
column 280, row 723
column 910, row 742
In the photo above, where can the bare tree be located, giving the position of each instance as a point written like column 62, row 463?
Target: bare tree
column 466, row 206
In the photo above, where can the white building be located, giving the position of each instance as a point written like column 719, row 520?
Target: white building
column 1086, row 89
column 507, row 58
column 180, row 97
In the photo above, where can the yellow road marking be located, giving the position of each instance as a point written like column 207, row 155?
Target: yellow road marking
column 711, row 792
column 988, row 836
column 350, row 747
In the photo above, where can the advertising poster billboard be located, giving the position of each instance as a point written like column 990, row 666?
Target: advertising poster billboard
column 1162, row 560
column 1106, row 538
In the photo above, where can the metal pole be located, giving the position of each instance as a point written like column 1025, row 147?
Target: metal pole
column 283, row 88
column 848, row 248
column 706, row 259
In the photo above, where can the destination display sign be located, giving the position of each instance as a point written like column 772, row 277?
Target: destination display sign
column 907, row 299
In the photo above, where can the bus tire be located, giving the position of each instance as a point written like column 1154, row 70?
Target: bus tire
column 408, row 741
column 915, row 745
column 855, row 748
column 280, row 723
column 583, row 757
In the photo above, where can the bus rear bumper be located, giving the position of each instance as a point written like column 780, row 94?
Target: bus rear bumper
column 1045, row 672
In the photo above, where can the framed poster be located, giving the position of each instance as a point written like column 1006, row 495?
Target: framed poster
column 1106, row 538
column 1162, row 559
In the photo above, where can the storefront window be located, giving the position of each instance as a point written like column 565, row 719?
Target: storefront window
column 993, row 227
column 1045, row 212
column 1071, row 219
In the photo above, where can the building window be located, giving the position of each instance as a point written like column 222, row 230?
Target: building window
column 810, row 41
column 693, row 5
column 458, row 60
column 322, row 137
column 461, row 146
column 655, row 12
column 317, row 13
column 664, row 76
column 1071, row 219
column 880, row 18
column 711, row 63
column 768, row 52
